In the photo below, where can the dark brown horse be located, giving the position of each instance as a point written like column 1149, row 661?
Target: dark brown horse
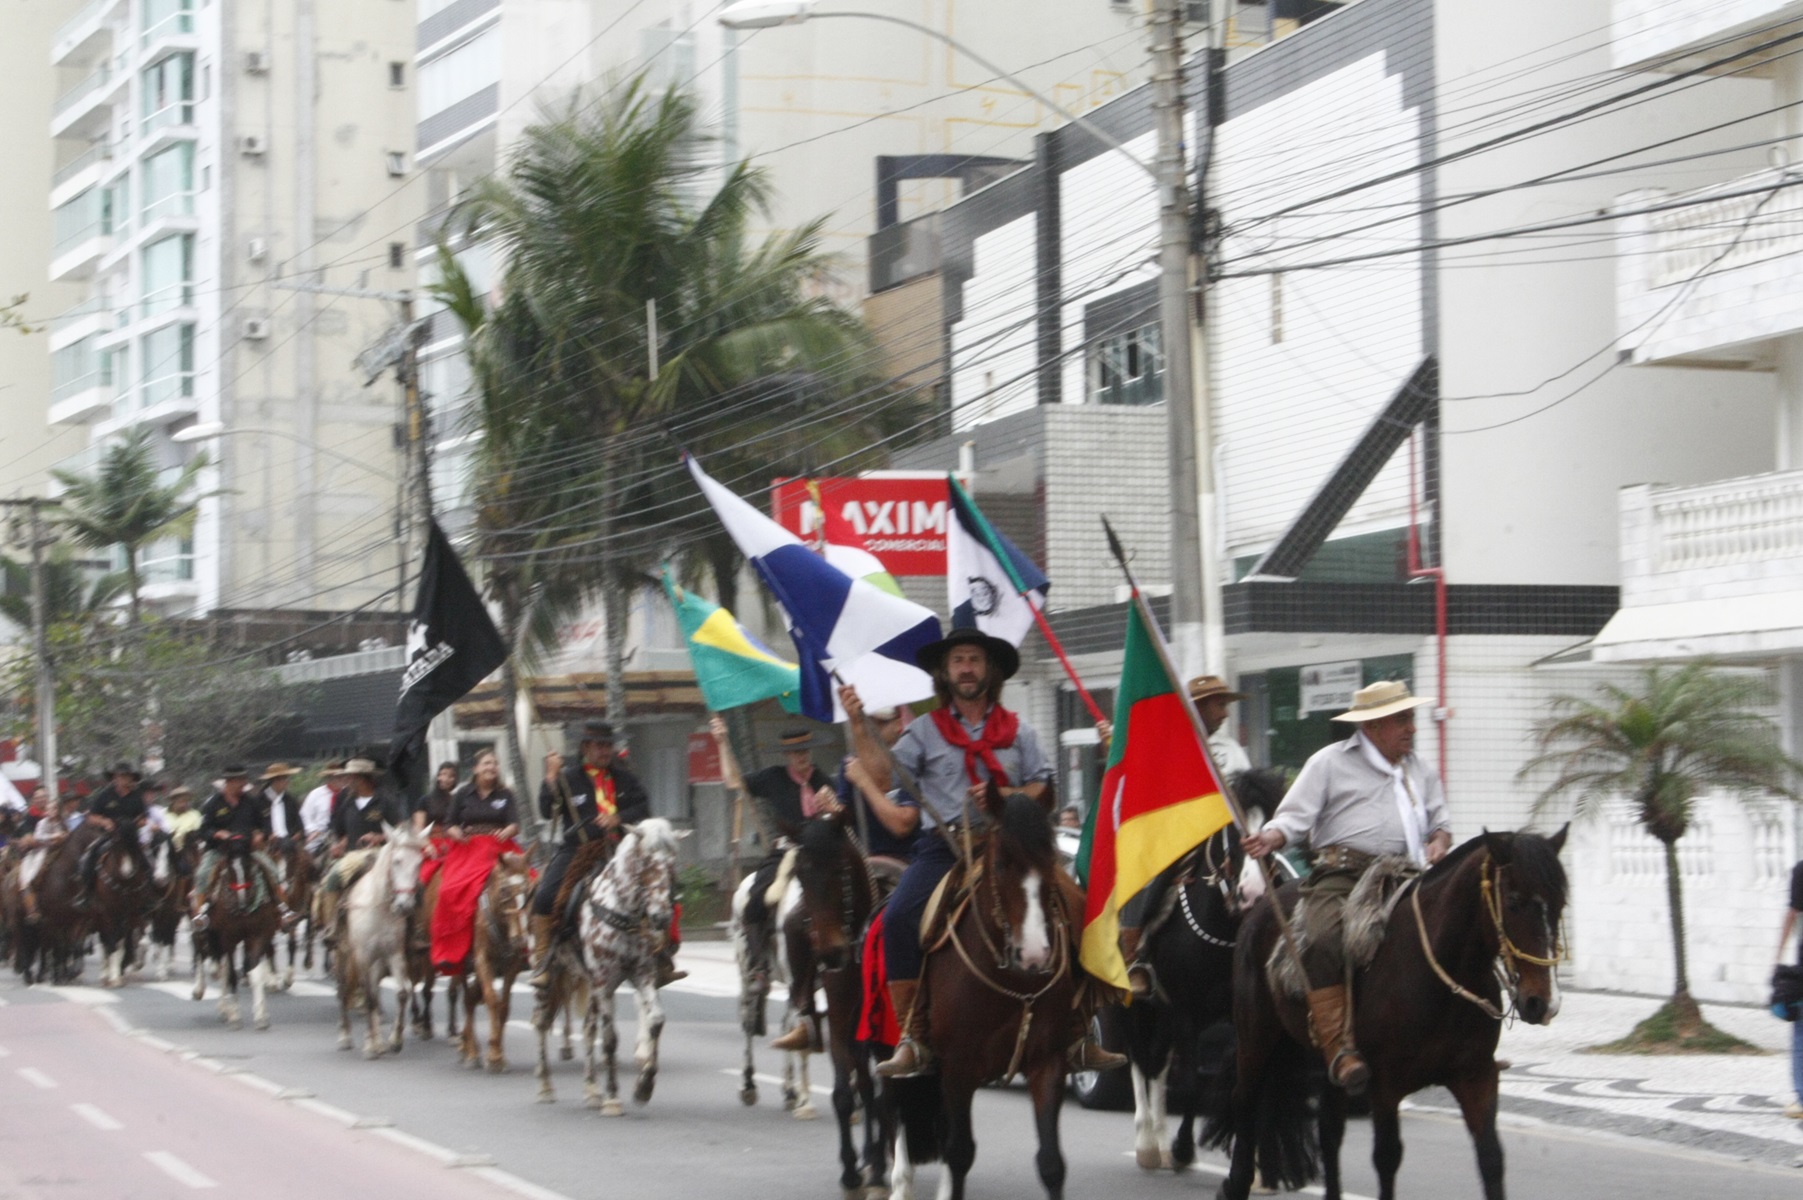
column 499, row 951
column 294, row 868
column 1428, row 1011
column 171, row 874
column 50, row 950
column 245, row 916
column 120, row 902
column 1001, row 987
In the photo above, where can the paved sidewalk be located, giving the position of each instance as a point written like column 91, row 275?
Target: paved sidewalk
column 1727, row 1104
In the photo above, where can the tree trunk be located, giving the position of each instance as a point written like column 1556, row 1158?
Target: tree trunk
column 618, row 598
column 133, row 584
column 1674, row 892
column 723, row 561
column 525, row 785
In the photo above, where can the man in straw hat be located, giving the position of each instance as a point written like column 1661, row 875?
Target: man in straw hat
column 954, row 753
column 232, row 823
column 316, row 809
column 281, row 809
column 1145, row 913
column 360, row 823
column 1355, row 801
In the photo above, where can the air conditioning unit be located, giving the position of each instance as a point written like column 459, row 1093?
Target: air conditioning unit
column 257, row 249
column 256, row 328
column 256, row 62
column 253, row 145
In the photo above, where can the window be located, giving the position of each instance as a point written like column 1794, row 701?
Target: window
column 397, row 74
column 74, row 369
column 169, row 182
column 78, row 220
column 1127, row 367
column 168, row 274
column 397, row 255
column 168, row 89
column 164, row 17
column 459, row 74
column 167, row 357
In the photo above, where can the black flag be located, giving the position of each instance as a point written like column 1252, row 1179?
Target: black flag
column 452, row 645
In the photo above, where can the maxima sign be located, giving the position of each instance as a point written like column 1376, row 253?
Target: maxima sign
column 899, row 516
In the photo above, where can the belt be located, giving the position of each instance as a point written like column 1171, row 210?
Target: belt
column 1342, row 858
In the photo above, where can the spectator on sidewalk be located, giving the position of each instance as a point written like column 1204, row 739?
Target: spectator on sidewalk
column 1794, row 1109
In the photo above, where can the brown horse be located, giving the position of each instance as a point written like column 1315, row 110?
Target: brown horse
column 244, row 916
column 120, row 901
column 172, row 875
column 1428, row 1010
column 499, row 951
column 1001, row 987
column 294, row 868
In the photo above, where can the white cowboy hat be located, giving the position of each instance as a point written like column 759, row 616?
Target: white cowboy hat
column 1382, row 699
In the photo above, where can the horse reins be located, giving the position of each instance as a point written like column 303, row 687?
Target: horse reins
column 1507, row 954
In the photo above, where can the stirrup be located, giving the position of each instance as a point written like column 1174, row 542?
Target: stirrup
column 918, row 1062
column 1090, row 1055
column 1142, row 980
column 1357, row 1073
column 200, row 920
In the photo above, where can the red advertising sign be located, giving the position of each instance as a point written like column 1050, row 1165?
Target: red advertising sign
column 897, row 516
column 704, row 758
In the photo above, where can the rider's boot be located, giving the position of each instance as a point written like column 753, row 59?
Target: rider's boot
column 325, row 916
column 800, row 1037
column 544, row 930
column 198, row 919
column 1330, row 1030
column 911, row 1057
column 30, row 899
column 1139, row 972
column 667, row 970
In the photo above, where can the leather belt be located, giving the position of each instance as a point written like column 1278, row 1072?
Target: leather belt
column 1342, row 858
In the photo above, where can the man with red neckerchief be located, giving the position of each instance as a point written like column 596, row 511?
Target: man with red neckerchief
column 967, row 742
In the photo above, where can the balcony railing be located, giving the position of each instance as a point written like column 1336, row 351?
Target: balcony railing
column 179, row 113
column 98, row 152
column 88, row 13
column 1750, row 520
column 70, row 316
column 1715, row 229
column 75, row 95
column 175, row 204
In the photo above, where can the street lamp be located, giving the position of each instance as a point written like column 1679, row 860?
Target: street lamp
column 1197, row 624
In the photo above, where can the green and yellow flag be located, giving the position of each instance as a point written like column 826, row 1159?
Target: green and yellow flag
column 732, row 667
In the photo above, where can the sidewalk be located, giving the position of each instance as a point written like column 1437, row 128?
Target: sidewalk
column 1727, row 1104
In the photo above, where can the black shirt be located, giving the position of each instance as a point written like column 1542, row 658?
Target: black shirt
column 881, row 841
column 474, row 813
column 237, row 822
column 436, row 804
column 577, row 791
column 780, row 797
column 107, row 802
column 349, row 821
column 1796, row 902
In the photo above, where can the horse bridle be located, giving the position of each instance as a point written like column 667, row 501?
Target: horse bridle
column 1508, row 954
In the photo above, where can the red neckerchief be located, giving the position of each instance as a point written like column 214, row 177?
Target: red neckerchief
column 999, row 728
column 603, row 780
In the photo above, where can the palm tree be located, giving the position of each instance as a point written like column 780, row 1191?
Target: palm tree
column 72, row 594
column 127, row 503
column 595, row 221
column 1685, row 731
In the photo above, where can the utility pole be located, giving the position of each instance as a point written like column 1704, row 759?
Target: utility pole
column 45, row 685
column 1197, row 628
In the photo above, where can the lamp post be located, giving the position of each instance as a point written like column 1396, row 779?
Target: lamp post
column 1197, row 626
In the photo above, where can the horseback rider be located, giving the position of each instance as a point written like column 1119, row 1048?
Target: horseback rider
column 37, row 845
column 233, row 825
column 432, row 811
column 1355, row 801
column 316, row 810
column 479, row 826
column 360, row 823
column 969, row 741
column 1212, row 696
column 281, row 808
column 119, row 810
column 590, row 800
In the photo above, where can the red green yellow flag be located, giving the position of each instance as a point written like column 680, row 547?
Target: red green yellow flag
column 1160, row 796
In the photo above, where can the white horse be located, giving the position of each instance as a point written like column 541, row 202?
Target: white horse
column 798, row 1095
column 372, row 939
column 625, row 920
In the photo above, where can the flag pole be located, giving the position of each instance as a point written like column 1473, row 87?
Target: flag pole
column 1195, row 719
column 1020, row 589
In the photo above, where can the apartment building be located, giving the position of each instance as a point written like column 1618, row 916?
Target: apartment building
column 232, row 179
column 1436, row 359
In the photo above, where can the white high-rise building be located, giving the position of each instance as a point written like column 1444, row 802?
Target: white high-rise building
column 211, row 154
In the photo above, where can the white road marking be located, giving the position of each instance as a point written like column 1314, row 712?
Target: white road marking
column 1218, row 1169
column 178, row 1170
column 516, row 1185
column 5, row 1053
column 96, row 1117
column 773, row 1081
column 36, row 1077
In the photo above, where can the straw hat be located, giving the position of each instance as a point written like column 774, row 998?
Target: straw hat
column 1204, row 686
column 1381, row 700
column 278, row 770
column 362, row 766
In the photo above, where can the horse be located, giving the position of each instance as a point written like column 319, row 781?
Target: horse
column 1002, row 991
column 1487, row 914
column 52, row 949
column 244, row 914
column 499, row 950
column 371, row 939
column 625, row 918
column 1172, row 1035
column 172, row 874
column 754, row 989
column 294, row 868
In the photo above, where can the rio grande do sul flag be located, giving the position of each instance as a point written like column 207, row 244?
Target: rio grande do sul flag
column 1160, row 796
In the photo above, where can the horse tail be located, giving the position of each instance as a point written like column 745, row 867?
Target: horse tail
column 1282, row 1120
column 921, row 1109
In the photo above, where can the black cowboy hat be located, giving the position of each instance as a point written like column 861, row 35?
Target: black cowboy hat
column 124, row 768
column 1002, row 656
column 234, row 771
column 598, row 731
column 799, row 737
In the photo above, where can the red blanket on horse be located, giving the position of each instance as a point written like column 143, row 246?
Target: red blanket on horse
column 434, row 859
column 465, row 870
column 878, row 1022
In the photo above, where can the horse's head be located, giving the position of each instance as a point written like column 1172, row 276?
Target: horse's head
column 1022, row 864
column 405, row 851
column 1259, row 791
column 645, row 868
column 162, row 858
column 512, row 886
column 1524, row 893
column 834, row 890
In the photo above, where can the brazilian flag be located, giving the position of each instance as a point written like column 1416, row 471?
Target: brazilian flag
column 732, row 667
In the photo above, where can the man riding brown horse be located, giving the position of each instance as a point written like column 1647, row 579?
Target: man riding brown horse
column 118, row 809
column 232, row 825
column 967, row 743
column 1355, row 801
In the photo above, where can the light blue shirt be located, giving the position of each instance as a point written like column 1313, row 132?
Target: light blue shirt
column 938, row 766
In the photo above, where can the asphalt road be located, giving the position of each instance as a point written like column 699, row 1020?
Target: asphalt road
column 283, row 1112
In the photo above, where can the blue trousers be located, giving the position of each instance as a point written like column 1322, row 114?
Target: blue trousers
column 901, row 921
column 1796, row 1058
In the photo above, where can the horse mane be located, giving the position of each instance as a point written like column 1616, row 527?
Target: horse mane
column 1531, row 856
column 820, row 838
column 1261, row 789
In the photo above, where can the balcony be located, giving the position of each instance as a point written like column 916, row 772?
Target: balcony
column 82, row 30
column 83, row 111
column 81, row 234
column 80, row 173
column 1675, row 35
column 81, row 384
column 79, row 323
column 1709, row 569
column 1708, row 277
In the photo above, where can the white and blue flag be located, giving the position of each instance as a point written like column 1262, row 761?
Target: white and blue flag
column 991, row 585
column 839, row 623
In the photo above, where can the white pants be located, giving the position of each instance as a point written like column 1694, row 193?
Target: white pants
column 29, row 868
